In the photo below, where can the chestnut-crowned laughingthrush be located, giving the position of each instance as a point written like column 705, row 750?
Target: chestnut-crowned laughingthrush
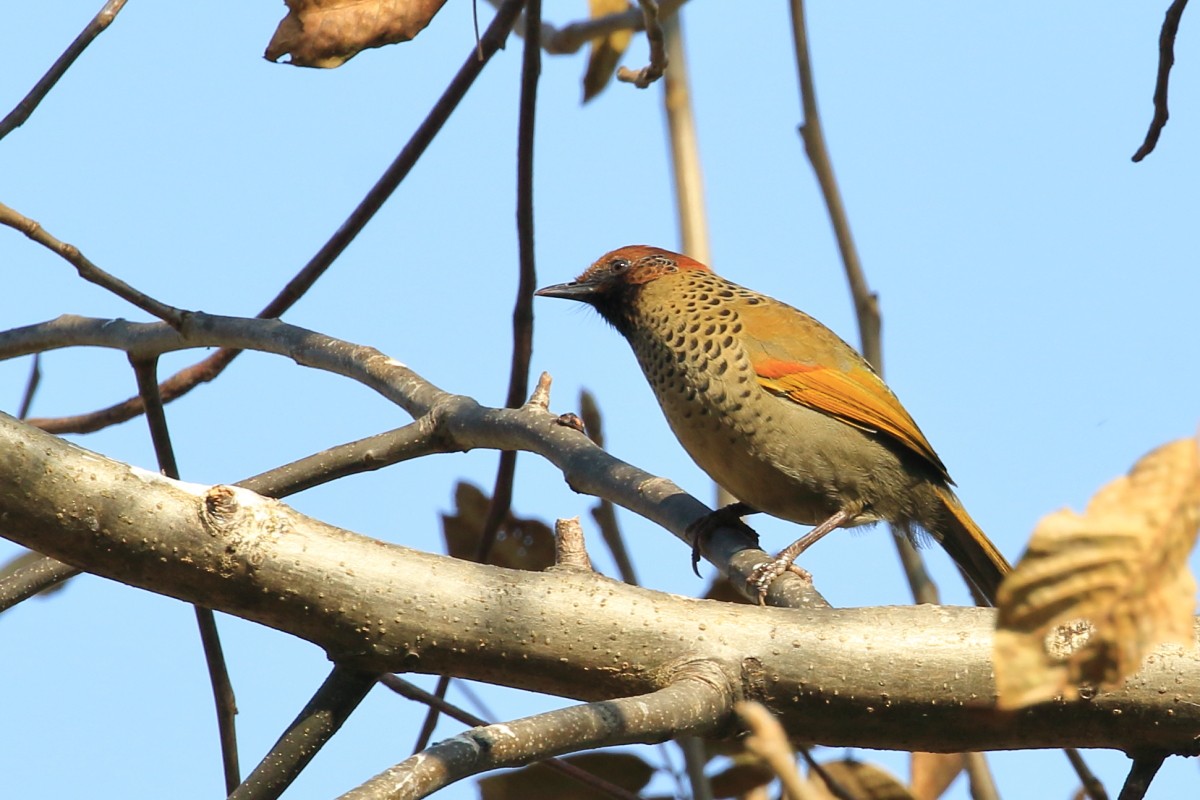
column 777, row 409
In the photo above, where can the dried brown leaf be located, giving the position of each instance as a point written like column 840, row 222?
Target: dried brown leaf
column 746, row 774
column 520, row 543
column 605, row 51
column 932, row 773
column 1096, row 592
column 328, row 33
column 538, row 781
column 859, row 780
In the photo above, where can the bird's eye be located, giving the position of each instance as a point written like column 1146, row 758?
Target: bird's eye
column 618, row 265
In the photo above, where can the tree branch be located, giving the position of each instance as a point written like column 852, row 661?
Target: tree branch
column 1166, row 60
column 698, row 701
column 858, row 677
column 17, row 117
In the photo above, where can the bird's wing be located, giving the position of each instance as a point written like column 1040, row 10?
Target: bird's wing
column 847, row 389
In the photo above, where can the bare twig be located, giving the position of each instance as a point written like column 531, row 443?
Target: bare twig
column 420, row 438
column 1141, row 773
column 185, row 380
column 31, row 386
column 694, row 759
column 333, row 703
column 979, row 773
column 1166, row 60
column 16, row 118
column 603, row 512
column 695, row 701
column 145, row 370
column 414, row 692
column 522, row 318
column 518, row 378
column 865, row 302
column 572, row 37
column 1092, row 786
column 648, row 74
column 37, row 576
column 685, row 149
column 86, row 269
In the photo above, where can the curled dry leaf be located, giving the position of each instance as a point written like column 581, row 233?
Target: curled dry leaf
column 328, row 33
column 1096, row 592
column 606, row 51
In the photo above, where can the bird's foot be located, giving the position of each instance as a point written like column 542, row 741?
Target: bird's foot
column 730, row 515
column 762, row 576
column 760, row 579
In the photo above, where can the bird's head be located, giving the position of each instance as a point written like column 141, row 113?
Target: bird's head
column 612, row 283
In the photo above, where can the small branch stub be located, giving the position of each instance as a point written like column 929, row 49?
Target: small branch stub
column 221, row 506
column 541, row 392
column 570, row 549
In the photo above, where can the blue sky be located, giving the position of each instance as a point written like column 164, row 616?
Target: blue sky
column 1038, row 291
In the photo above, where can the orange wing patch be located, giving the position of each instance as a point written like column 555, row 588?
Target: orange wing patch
column 858, row 398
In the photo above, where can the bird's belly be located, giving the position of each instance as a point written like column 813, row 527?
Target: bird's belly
column 781, row 458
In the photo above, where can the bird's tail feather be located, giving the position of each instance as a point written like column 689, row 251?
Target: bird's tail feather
column 970, row 547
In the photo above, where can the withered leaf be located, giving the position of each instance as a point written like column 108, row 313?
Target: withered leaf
column 539, row 781
column 328, row 33
column 1096, row 592
column 520, row 543
column 932, row 773
column 605, row 51
column 859, row 780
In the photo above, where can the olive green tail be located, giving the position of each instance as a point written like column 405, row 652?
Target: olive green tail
column 970, row 548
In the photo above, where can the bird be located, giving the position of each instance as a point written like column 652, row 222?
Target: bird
column 778, row 410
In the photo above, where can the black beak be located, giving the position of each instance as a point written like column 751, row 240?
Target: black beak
column 583, row 292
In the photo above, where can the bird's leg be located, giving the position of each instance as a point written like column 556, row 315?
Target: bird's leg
column 761, row 578
column 702, row 528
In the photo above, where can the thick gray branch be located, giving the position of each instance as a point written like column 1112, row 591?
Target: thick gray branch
column 839, row 677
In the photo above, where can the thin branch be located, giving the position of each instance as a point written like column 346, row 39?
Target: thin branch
column 145, row 370
column 17, row 117
column 86, row 269
column 684, row 146
column 223, row 696
column 522, row 317
column 979, row 774
column 694, row 759
column 1166, row 60
column 865, row 302
column 40, row 574
column 1091, row 785
column 642, row 78
column 603, row 512
column 697, row 702
column 331, row 706
column 1141, row 774
column 416, row 693
column 187, row 379
column 31, row 386
column 425, row 735
column 421, row 438
column 572, row 37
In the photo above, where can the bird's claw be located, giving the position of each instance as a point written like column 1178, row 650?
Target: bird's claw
column 764, row 574
column 702, row 528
